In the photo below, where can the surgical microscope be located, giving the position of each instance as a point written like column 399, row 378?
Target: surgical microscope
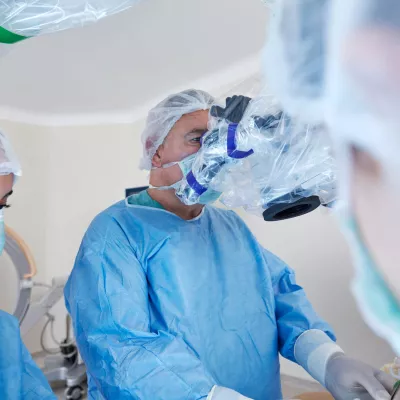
column 263, row 160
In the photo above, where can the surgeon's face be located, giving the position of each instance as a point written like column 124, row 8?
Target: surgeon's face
column 6, row 184
column 182, row 141
column 374, row 59
column 376, row 206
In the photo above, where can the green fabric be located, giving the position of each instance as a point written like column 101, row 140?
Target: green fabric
column 143, row 199
column 10, row 37
column 396, row 385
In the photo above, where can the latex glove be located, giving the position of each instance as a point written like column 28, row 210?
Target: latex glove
column 344, row 377
column 222, row 393
column 234, row 109
column 348, row 379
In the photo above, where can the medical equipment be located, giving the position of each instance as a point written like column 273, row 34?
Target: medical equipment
column 20, row 20
column 63, row 364
column 259, row 157
column 135, row 190
column 268, row 163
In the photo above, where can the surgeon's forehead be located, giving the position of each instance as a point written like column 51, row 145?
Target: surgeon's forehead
column 192, row 122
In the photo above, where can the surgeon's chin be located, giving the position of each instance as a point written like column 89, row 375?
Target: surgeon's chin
column 165, row 176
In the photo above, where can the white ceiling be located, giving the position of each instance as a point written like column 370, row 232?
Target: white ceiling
column 127, row 60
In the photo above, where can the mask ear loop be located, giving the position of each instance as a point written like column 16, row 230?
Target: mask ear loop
column 169, row 187
column 171, row 164
column 173, row 186
column 177, row 184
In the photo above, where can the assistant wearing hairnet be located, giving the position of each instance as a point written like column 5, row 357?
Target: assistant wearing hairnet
column 9, row 163
column 165, row 308
column 20, row 378
column 164, row 115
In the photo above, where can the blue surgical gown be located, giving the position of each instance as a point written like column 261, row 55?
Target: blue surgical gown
column 165, row 308
column 20, row 377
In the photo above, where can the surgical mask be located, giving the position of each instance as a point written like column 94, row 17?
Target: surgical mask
column 2, row 232
column 377, row 303
column 185, row 165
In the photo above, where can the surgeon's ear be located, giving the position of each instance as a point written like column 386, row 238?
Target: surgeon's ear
column 157, row 158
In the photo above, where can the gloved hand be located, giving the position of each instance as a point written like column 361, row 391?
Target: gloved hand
column 234, row 109
column 344, row 377
column 222, row 393
column 349, row 379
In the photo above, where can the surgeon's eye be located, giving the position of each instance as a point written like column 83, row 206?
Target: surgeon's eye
column 196, row 140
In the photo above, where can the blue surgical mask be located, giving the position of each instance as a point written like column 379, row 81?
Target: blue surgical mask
column 185, row 165
column 377, row 303
column 2, row 232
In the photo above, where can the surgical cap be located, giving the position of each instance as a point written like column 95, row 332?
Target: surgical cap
column 164, row 115
column 8, row 160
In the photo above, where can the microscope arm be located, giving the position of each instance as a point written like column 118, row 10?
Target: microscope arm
column 40, row 308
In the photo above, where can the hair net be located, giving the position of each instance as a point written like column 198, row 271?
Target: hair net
column 295, row 56
column 164, row 115
column 363, row 85
column 335, row 62
column 8, row 160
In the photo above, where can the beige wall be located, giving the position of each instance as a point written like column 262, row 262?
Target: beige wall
column 71, row 174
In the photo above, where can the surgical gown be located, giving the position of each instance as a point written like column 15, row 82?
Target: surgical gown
column 165, row 308
column 20, row 377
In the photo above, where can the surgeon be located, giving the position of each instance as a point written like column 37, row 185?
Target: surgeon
column 20, row 378
column 171, row 301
